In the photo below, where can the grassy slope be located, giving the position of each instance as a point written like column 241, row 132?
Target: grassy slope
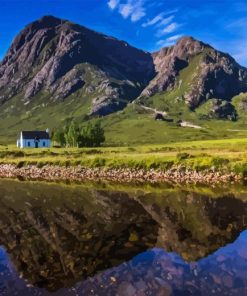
column 132, row 126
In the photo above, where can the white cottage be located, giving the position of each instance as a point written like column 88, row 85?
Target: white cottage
column 34, row 139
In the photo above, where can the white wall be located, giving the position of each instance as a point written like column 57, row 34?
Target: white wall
column 43, row 143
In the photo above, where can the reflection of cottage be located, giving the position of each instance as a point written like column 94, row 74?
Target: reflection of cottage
column 34, row 139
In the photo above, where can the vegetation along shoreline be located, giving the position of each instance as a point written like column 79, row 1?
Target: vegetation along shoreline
column 209, row 162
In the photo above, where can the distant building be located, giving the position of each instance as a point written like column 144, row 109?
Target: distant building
column 34, row 139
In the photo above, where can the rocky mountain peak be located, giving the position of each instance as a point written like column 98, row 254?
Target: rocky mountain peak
column 214, row 75
column 61, row 58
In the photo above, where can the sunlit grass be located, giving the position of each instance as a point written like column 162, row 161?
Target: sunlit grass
column 225, row 155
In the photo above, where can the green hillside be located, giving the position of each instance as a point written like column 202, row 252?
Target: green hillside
column 133, row 125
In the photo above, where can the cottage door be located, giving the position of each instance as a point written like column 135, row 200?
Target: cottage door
column 36, row 144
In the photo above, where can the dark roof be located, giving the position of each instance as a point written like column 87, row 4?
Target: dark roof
column 35, row 134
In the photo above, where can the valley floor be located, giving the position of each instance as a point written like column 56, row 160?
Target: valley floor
column 195, row 161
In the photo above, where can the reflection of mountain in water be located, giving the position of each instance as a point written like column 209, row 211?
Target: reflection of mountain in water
column 194, row 225
column 59, row 235
column 158, row 273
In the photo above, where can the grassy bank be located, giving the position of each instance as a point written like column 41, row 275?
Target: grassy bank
column 228, row 155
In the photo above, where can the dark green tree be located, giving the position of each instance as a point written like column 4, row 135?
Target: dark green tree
column 72, row 135
column 58, row 137
column 92, row 135
column 97, row 134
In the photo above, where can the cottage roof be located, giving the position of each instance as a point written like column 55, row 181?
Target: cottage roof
column 29, row 135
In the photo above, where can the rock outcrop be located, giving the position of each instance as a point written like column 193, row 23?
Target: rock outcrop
column 213, row 75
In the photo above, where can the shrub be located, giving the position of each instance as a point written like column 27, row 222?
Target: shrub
column 20, row 164
column 218, row 161
column 13, row 154
column 98, row 162
column 183, row 155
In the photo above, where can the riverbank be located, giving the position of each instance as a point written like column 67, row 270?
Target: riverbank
column 78, row 173
column 192, row 162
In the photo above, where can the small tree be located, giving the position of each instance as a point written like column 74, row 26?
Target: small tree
column 86, row 135
column 92, row 135
column 72, row 135
column 59, row 137
column 97, row 134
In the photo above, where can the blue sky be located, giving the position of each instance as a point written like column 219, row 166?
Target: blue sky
column 146, row 24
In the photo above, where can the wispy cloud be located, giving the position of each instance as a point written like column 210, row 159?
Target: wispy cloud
column 138, row 13
column 174, row 38
column 113, row 4
column 168, row 41
column 125, row 10
column 137, row 9
column 133, row 9
column 153, row 21
column 165, row 24
column 168, row 29
column 171, row 11
column 160, row 19
column 164, row 43
column 166, row 21
column 240, row 23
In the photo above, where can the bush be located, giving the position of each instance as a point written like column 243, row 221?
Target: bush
column 218, row 161
column 98, row 162
column 20, row 164
column 10, row 154
column 183, row 155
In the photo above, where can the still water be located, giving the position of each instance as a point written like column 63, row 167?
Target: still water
column 58, row 239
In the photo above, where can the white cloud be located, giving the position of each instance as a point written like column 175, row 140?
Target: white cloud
column 166, row 21
column 174, row 38
column 137, row 15
column 154, row 21
column 171, row 11
column 134, row 9
column 126, row 10
column 159, row 20
column 164, row 43
column 113, row 4
column 168, row 29
column 168, row 41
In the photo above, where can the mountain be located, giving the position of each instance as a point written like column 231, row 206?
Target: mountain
column 193, row 74
column 210, row 73
column 60, row 57
column 56, row 70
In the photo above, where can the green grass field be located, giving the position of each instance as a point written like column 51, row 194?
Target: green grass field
column 221, row 155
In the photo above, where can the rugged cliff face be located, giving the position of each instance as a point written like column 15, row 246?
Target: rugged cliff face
column 211, row 73
column 61, row 58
